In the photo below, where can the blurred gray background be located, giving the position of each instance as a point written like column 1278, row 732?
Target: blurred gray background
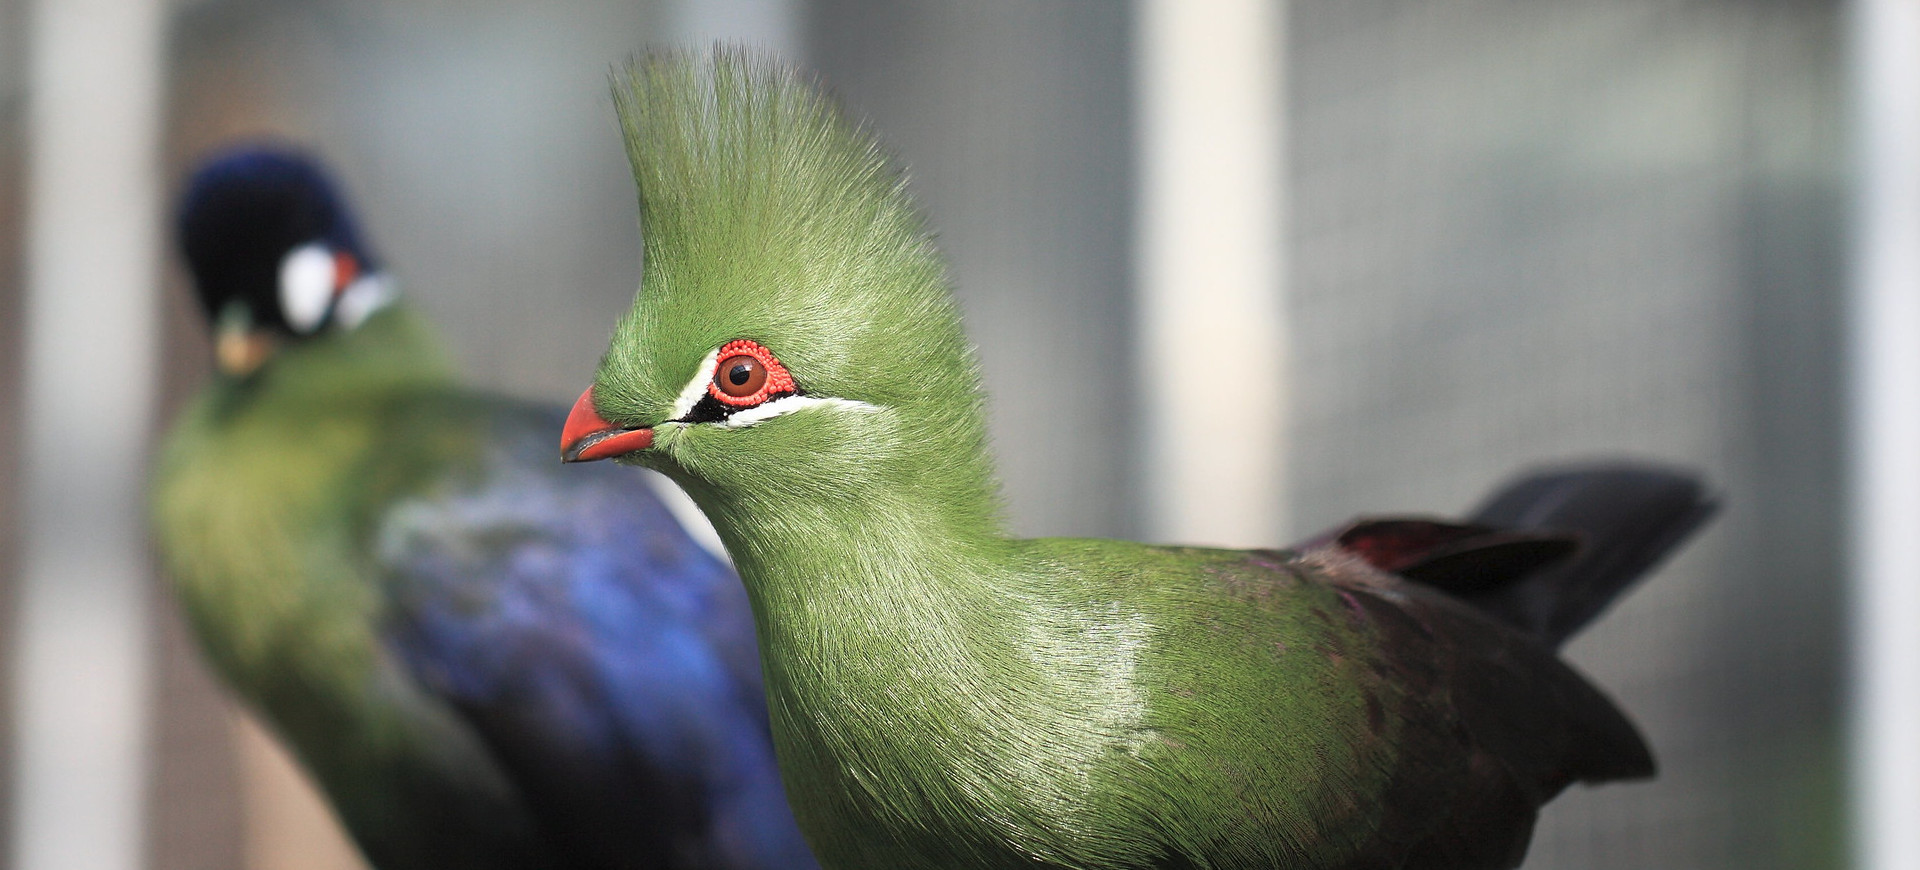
column 1520, row 231
column 1528, row 231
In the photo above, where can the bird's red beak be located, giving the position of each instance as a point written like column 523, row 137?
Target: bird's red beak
column 587, row 437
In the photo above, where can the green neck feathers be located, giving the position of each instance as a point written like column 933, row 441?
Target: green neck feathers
column 259, row 468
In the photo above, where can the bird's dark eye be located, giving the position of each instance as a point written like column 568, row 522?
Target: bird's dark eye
column 740, row 376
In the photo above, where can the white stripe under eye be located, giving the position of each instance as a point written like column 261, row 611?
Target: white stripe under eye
column 788, row 405
column 696, row 389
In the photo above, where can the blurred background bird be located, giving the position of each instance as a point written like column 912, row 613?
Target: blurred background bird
column 944, row 694
column 486, row 659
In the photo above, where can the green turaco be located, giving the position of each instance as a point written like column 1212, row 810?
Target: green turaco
column 944, row 695
column 486, row 659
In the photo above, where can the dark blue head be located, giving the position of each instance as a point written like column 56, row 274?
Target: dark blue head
column 274, row 252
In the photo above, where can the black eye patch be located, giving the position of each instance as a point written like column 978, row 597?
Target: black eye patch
column 712, row 410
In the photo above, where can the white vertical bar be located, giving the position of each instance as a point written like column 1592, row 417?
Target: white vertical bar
column 1886, row 435
column 1211, row 269
column 93, row 135
column 770, row 24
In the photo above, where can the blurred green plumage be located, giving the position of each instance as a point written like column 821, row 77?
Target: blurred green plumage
column 288, row 617
column 944, row 695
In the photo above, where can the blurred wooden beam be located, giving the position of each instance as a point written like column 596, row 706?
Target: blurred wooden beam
column 289, row 825
column 92, row 237
column 1211, row 242
column 194, row 812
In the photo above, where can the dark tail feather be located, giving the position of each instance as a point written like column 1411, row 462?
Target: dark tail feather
column 1628, row 515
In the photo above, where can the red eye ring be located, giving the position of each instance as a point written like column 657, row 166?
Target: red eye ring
column 772, row 377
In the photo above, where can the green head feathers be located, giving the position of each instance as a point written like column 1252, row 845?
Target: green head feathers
column 768, row 218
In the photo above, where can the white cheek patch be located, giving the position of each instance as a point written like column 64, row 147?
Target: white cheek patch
column 788, row 405
column 696, row 389
column 306, row 286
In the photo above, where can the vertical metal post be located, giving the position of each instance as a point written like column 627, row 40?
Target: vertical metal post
column 1886, row 435
column 1211, row 242
column 81, row 683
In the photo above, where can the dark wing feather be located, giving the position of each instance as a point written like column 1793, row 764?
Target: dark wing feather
column 1458, row 558
column 1537, row 726
column 1527, row 724
column 603, row 656
column 1629, row 516
column 1548, row 551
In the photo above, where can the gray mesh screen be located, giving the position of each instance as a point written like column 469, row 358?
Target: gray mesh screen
column 1530, row 231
